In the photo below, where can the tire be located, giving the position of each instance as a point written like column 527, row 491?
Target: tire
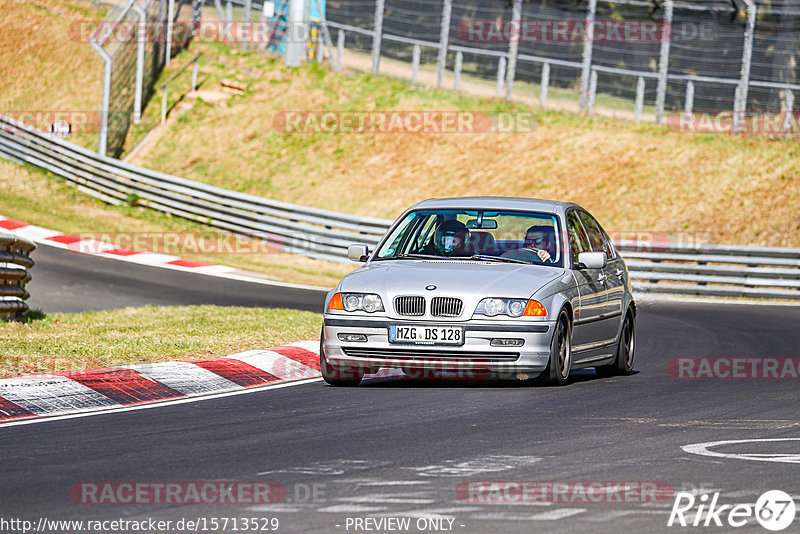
column 560, row 364
column 334, row 375
column 626, row 351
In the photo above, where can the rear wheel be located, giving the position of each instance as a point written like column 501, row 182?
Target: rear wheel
column 335, row 375
column 623, row 364
column 558, row 368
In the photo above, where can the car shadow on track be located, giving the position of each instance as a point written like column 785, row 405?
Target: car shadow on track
column 399, row 381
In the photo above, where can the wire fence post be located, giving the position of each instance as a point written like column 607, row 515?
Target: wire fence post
column 513, row 47
column 740, row 102
column 545, row 84
column 640, row 87
column 102, row 144
column 415, row 63
column 246, row 29
column 444, row 41
column 501, row 75
column 592, row 90
column 170, row 31
column 141, row 40
column 296, row 34
column 339, row 50
column 376, row 37
column 788, row 106
column 457, row 70
column 194, row 74
column 663, row 61
column 688, row 105
column 586, row 68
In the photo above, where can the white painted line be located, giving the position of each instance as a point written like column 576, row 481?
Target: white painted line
column 558, row 513
column 47, row 394
column 702, row 449
column 186, row 377
column 159, row 404
column 350, row 508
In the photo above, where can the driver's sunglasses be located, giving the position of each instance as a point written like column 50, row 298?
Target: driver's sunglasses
column 536, row 241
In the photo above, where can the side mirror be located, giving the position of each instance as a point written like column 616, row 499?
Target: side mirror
column 592, row 260
column 358, row 252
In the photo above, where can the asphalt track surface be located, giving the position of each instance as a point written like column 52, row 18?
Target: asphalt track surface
column 401, row 448
column 66, row 281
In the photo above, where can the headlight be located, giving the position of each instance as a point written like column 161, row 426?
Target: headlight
column 367, row 302
column 511, row 307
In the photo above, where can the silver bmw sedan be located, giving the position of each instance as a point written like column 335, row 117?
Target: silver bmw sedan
column 483, row 286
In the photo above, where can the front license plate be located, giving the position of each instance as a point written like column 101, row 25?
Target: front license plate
column 427, row 335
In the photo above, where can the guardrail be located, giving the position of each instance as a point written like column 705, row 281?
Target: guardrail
column 288, row 227
column 15, row 261
column 708, row 270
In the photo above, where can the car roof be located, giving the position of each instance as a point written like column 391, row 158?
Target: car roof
column 496, row 203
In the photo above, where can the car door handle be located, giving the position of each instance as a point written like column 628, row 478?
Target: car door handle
column 601, row 278
column 619, row 272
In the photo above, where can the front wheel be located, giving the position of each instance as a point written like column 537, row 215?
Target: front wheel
column 623, row 364
column 560, row 364
column 335, row 375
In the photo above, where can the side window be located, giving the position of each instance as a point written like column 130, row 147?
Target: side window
column 593, row 231
column 608, row 245
column 577, row 238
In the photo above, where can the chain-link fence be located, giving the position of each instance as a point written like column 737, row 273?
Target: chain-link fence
column 134, row 42
column 663, row 55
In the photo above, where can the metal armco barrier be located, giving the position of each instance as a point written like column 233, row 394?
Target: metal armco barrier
column 706, row 270
column 15, row 262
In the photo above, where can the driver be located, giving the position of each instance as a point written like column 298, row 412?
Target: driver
column 452, row 238
column 538, row 244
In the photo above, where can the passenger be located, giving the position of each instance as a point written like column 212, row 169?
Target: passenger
column 452, row 239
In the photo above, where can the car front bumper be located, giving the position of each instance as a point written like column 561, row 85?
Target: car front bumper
column 476, row 354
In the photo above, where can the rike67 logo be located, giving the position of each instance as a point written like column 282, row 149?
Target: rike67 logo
column 774, row 510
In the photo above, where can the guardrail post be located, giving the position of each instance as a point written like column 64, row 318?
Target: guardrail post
column 415, row 63
column 592, row 90
column 170, row 31
column 229, row 11
column 513, row 47
column 545, row 84
column 320, row 50
column 663, row 61
column 141, row 38
column 376, row 37
column 339, row 50
column 220, row 11
column 640, row 87
column 457, row 70
column 586, row 68
column 740, row 102
column 501, row 75
column 788, row 106
column 444, row 41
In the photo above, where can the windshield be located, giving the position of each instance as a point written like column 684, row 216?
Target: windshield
column 513, row 236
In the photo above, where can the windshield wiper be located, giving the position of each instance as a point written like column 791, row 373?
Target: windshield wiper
column 500, row 259
column 411, row 257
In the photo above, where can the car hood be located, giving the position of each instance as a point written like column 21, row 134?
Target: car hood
column 456, row 278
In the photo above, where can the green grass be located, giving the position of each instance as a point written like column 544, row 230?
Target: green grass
column 69, row 342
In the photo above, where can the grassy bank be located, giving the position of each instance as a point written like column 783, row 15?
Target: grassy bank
column 732, row 189
column 79, row 341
